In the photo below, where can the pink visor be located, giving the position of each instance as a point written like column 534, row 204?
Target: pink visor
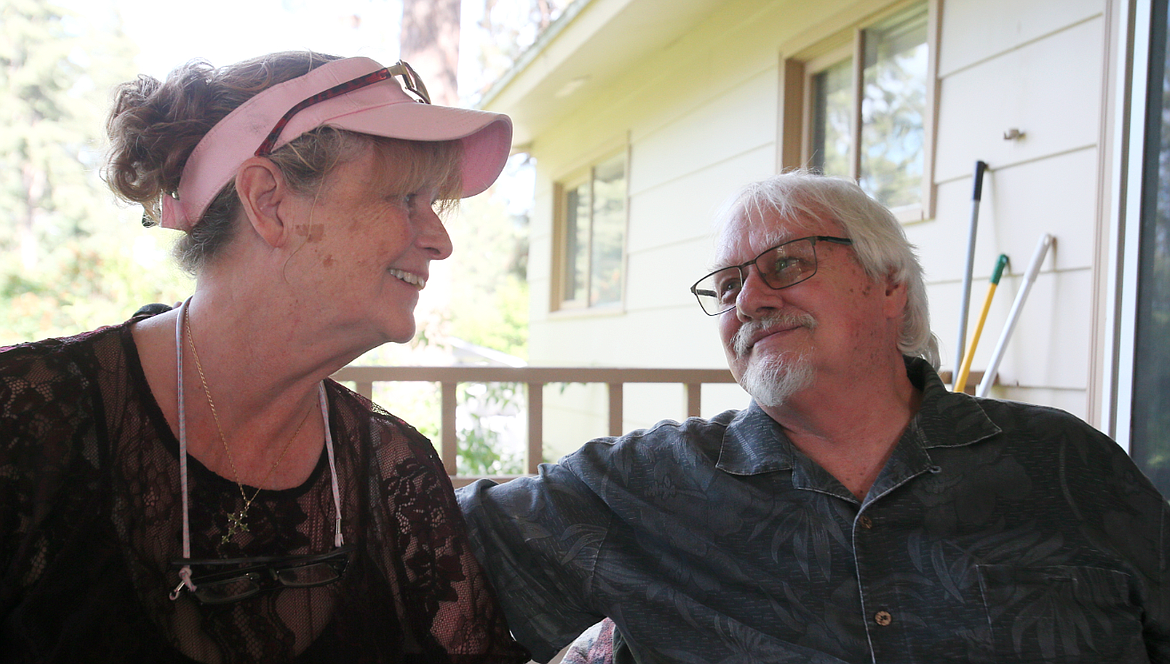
column 379, row 108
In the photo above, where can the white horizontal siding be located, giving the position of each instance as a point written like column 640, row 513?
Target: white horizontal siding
column 1050, row 89
column 975, row 30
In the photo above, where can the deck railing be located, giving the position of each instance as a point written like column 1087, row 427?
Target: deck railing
column 534, row 378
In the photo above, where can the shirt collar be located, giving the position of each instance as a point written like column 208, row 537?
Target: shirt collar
column 754, row 443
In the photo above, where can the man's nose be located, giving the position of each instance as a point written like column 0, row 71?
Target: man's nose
column 755, row 296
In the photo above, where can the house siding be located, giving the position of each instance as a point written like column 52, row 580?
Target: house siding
column 1039, row 68
column 699, row 118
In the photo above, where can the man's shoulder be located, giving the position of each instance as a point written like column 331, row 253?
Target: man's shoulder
column 690, row 436
column 1034, row 421
column 585, row 482
column 1051, row 441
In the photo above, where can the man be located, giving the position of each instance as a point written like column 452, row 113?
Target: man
column 856, row 511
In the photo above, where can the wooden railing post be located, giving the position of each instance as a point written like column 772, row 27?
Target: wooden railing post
column 615, row 408
column 449, row 447
column 694, row 399
column 535, row 427
column 535, row 378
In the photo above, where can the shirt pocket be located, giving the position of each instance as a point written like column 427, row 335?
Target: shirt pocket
column 1061, row 614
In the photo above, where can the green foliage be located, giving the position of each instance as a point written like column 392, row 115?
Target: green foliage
column 70, row 258
column 482, row 443
column 489, row 295
column 84, row 282
column 489, row 307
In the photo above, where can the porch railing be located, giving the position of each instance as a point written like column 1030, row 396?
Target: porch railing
column 534, row 378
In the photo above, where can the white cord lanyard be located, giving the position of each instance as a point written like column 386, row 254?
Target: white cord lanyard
column 185, row 572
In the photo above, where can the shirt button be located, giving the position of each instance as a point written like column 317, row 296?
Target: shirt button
column 883, row 618
column 866, row 522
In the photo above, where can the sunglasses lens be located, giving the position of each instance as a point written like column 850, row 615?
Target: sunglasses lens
column 228, row 590
column 317, row 574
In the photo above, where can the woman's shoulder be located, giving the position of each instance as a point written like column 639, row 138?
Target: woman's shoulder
column 402, row 461
column 38, row 365
column 353, row 404
column 48, row 403
column 386, row 429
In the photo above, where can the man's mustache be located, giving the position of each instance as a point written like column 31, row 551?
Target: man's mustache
column 746, row 335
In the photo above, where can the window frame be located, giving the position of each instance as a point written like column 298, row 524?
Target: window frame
column 1149, row 33
column 1141, row 446
column 561, row 189
column 794, row 146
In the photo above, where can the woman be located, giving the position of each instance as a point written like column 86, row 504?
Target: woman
column 191, row 485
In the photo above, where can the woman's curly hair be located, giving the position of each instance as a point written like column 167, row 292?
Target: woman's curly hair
column 154, row 126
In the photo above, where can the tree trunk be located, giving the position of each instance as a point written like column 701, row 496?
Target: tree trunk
column 34, row 180
column 430, row 43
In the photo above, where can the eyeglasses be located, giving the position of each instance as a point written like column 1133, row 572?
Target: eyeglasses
column 781, row 266
column 410, row 79
column 246, row 577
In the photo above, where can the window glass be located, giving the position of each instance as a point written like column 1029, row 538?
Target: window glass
column 1150, row 426
column 594, row 236
column 888, row 160
column 832, row 111
column 577, row 242
column 893, row 106
column 609, row 223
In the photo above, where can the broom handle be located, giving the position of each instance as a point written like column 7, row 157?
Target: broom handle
column 1014, row 314
column 961, row 381
column 965, row 301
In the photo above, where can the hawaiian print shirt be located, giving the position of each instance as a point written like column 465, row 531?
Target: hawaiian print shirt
column 996, row 532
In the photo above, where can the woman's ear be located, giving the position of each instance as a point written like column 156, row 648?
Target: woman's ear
column 261, row 189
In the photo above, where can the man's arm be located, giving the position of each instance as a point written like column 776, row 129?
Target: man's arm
column 538, row 539
column 1157, row 615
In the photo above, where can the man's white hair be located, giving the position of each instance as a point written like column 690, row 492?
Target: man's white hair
column 879, row 242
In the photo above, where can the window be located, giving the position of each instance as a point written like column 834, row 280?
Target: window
column 877, row 85
column 1150, row 416
column 593, row 231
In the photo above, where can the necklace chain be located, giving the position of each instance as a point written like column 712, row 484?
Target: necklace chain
column 237, row 522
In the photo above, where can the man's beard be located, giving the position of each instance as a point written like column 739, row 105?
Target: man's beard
column 773, row 379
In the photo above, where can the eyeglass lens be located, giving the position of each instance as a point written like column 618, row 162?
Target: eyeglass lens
column 780, row 267
column 224, row 587
column 228, row 590
column 246, row 585
column 307, row 576
column 413, row 81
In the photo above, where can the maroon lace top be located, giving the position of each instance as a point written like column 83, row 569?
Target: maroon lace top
column 90, row 520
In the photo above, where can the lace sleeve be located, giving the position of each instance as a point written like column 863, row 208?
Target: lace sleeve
column 45, row 423
column 444, row 593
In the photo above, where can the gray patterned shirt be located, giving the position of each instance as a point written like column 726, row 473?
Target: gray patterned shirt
column 996, row 531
